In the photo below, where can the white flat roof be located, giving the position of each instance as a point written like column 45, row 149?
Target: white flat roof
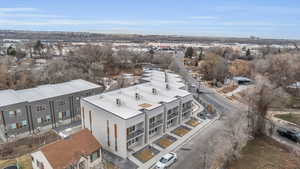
column 41, row 92
column 130, row 106
column 9, row 97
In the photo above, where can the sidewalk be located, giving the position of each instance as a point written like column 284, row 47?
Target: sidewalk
column 180, row 140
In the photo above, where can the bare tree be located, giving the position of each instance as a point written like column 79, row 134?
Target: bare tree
column 214, row 67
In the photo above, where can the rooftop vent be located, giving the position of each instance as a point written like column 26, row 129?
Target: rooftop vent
column 137, row 96
column 154, row 91
column 166, row 77
column 118, row 102
column 167, row 86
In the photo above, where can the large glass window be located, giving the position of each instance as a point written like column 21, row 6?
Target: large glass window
column 95, row 156
column 131, row 129
column 13, row 125
column 48, row 118
column 12, row 113
column 152, row 120
column 24, row 123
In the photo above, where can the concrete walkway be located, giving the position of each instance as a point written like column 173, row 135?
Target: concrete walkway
column 180, row 140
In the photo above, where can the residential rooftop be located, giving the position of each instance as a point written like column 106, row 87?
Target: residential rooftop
column 62, row 153
column 10, row 97
column 145, row 96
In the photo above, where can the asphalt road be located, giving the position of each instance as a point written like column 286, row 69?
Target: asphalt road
column 196, row 153
column 208, row 95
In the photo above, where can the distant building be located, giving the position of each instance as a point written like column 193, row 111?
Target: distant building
column 242, row 80
column 78, row 151
column 46, row 106
column 126, row 119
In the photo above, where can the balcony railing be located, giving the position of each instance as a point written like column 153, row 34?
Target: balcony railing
column 184, row 109
column 155, row 124
column 171, row 116
column 135, row 134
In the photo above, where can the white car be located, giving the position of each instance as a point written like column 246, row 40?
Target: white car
column 166, row 160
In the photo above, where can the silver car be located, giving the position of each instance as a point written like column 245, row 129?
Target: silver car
column 166, row 161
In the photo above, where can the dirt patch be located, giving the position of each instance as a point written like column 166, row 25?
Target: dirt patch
column 165, row 141
column 290, row 117
column 146, row 154
column 26, row 145
column 181, row 131
column 265, row 153
column 192, row 123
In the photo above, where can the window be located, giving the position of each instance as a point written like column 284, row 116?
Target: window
column 169, row 112
column 131, row 129
column 133, row 141
column 40, row 108
column 39, row 120
column 77, row 98
column 95, row 155
column 13, row 125
column 19, row 111
column 48, row 118
column 12, row 113
column 152, row 120
column 153, row 131
column 61, row 103
column 23, row 123
column 68, row 114
column 40, row 165
column 61, row 115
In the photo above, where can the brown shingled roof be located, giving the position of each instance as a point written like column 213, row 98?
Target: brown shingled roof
column 63, row 153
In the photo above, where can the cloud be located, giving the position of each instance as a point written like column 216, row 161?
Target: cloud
column 263, row 9
column 18, row 9
column 204, row 17
column 26, row 15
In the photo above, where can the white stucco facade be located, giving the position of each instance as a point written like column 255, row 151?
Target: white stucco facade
column 129, row 118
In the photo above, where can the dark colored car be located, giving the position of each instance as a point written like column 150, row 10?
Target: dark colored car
column 289, row 134
column 11, row 167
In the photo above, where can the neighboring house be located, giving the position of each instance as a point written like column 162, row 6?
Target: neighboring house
column 294, row 90
column 242, row 80
column 46, row 106
column 78, row 151
column 126, row 119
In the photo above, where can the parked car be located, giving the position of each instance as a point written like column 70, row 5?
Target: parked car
column 11, row 167
column 289, row 134
column 166, row 161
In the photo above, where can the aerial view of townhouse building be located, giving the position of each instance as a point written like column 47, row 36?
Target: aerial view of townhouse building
column 127, row 119
column 46, row 106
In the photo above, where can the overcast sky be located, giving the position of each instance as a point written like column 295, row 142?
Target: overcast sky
column 263, row 18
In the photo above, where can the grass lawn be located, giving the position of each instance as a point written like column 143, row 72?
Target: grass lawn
column 24, row 162
column 192, row 123
column 265, row 153
column 293, row 118
column 145, row 154
column 180, row 131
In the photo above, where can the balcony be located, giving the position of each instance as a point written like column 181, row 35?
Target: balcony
column 186, row 109
column 135, row 134
column 173, row 115
column 155, row 124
